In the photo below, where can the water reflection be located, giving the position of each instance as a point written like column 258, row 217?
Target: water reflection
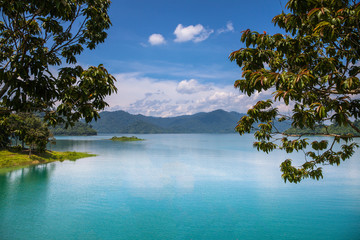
column 176, row 185
column 30, row 175
column 179, row 161
column 21, row 190
column 95, row 146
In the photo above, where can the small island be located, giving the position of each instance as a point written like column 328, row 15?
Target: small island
column 126, row 139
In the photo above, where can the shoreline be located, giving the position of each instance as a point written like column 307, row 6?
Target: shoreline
column 316, row 135
column 13, row 160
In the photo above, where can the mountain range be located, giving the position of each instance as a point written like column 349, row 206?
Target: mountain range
column 218, row 121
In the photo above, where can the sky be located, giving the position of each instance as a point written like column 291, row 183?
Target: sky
column 170, row 58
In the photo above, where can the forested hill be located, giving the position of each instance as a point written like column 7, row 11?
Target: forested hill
column 80, row 129
column 332, row 129
column 218, row 121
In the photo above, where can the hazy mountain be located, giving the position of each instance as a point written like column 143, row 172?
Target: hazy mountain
column 218, row 121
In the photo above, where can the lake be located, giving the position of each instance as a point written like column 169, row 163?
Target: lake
column 177, row 186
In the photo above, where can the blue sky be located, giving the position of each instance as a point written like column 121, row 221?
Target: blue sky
column 170, row 58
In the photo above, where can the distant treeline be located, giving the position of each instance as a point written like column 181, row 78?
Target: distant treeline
column 218, row 121
column 79, row 129
column 332, row 129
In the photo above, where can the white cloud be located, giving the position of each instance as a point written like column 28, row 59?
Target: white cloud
column 190, row 86
column 156, row 39
column 193, row 33
column 178, row 71
column 229, row 28
column 283, row 108
column 138, row 94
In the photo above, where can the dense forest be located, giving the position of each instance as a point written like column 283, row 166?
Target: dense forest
column 79, row 129
column 322, row 129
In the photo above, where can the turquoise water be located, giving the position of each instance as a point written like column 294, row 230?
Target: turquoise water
column 177, row 186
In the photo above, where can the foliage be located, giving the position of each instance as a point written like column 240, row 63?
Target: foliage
column 28, row 129
column 333, row 129
column 79, row 129
column 13, row 158
column 4, row 132
column 35, row 38
column 36, row 134
column 314, row 69
column 317, row 130
column 126, row 139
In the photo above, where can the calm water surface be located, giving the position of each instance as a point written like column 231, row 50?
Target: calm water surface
column 177, row 186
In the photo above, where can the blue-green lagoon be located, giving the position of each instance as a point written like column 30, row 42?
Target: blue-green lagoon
column 177, row 186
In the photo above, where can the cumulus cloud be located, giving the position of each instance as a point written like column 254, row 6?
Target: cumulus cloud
column 156, row 39
column 138, row 94
column 229, row 28
column 193, row 33
column 222, row 98
column 190, row 86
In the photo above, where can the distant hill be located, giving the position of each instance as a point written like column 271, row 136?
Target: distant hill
column 218, row 121
column 332, row 129
column 79, row 129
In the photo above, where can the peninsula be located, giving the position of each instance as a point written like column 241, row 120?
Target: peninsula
column 11, row 159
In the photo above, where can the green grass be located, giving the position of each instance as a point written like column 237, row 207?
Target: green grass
column 10, row 159
column 126, row 139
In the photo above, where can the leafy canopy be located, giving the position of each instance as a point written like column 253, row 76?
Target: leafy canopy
column 36, row 38
column 27, row 128
column 313, row 68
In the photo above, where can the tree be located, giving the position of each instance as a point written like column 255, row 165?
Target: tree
column 313, row 68
column 36, row 134
column 29, row 129
column 4, row 132
column 35, row 38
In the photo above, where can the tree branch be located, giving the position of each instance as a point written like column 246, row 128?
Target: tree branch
column 4, row 89
column 352, row 125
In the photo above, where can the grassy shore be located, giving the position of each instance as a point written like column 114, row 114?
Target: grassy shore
column 126, row 139
column 14, row 159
